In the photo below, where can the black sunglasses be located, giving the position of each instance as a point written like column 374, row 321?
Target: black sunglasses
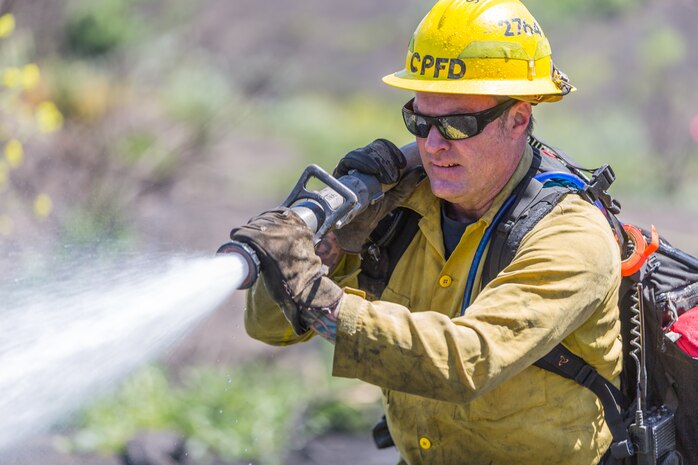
column 452, row 127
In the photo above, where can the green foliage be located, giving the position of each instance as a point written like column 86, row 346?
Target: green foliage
column 323, row 128
column 253, row 412
column 99, row 27
column 608, row 135
column 240, row 414
column 662, row 48
column 196, row 93
column 82, row 226
column 590, row 73
column 343, row 405
column 336, row 415
column 136, row 145
column 82, row 90
column 606, row 8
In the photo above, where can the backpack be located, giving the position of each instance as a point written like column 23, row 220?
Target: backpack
column 653, row 417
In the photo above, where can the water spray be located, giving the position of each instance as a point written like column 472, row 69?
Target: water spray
column 330, row 208
column 72, row 331
column 71, row 334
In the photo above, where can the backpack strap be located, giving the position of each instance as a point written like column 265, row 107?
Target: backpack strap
column 595, row 191
column 533, row 201
column 387, row 243
column 563, row 362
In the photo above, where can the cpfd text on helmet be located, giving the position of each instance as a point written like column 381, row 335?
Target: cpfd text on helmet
column 456, row 66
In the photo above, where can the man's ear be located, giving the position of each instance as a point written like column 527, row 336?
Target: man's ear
column 519, row 117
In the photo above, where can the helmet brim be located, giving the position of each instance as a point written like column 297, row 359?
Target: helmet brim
column 538, row 90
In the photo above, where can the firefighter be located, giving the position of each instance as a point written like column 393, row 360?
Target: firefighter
column 453, row 356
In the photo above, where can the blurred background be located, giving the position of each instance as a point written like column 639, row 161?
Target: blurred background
column 140, row 125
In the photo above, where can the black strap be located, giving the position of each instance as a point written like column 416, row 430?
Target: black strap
column 532, row 203
column 597, row 192
column 568, row 365
column 405, row 229
column 381, row 434
column 386, row 246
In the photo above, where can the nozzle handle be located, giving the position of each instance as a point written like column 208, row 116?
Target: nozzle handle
column 343, row 198
column 335, row 201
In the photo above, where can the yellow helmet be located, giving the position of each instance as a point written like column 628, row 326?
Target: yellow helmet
column 484, row 47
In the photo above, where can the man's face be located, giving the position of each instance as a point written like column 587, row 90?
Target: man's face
column 469, row 173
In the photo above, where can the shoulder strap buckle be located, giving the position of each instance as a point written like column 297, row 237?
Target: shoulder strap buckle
column 586, row 376
column 597, row 189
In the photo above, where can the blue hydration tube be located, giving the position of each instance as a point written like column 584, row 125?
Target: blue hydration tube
column 568, row 179
column 480, row 251
column 573, row 179
column 564, row 177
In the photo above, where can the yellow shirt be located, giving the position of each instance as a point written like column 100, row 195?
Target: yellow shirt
column 461, row 389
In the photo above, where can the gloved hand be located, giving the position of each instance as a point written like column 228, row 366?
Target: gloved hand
column 294, row 273
column 380, row 158
column 384, row 160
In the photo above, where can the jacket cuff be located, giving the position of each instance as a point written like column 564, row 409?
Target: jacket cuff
column 347, row 351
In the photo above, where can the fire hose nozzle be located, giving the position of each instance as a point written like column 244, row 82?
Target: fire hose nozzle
column 344, row 198
column 250, row 257
column 332, row 207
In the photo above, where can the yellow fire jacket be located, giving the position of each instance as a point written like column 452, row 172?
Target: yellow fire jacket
column 462, row 389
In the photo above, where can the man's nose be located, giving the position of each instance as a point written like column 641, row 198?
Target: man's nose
column 435, row 142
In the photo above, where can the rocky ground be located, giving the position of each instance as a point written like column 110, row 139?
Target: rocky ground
column 166, row 449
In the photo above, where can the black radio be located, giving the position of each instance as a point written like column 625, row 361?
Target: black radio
column 655, row 437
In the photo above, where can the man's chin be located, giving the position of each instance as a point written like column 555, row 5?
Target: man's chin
column 444, row 190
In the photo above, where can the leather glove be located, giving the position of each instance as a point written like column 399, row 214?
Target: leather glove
column 380, row 158
column 294, row 274
column 384, row 160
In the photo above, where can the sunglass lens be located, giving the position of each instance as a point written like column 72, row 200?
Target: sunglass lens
column 422, row 126
column 416, row 124
column 457, row 128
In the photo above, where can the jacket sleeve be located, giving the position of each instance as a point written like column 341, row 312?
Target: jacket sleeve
column 265, row 321
column 564, row 275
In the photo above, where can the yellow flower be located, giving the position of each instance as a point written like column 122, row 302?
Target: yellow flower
column 6, row 225
column 48, row 117
column 42, row 206
column 14, row 153
column 12, row 77
column 7, row 24
column 30, row 76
